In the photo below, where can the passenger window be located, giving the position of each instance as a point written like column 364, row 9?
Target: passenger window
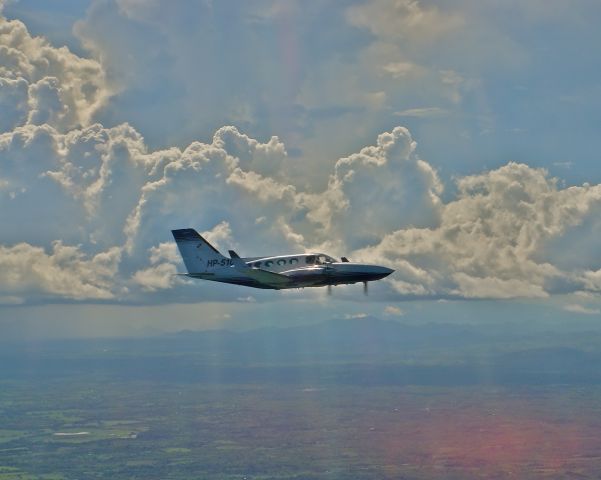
column 257, row 264
column 268, row 263
column 293, row 261
column 281, row 261
column 310, row 260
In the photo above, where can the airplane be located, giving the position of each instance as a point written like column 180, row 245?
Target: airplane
column 203, row 261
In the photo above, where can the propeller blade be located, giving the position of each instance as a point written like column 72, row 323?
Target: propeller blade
column 329, row 290
column 365, row 288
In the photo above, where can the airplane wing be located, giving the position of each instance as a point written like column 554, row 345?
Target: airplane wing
column 266, row 277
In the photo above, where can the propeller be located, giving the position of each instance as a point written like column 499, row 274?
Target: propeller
column 328, row 270
column 365, row 288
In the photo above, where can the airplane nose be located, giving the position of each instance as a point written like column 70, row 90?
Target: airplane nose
column 381, row 272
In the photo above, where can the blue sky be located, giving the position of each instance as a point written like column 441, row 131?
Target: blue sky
column 456, row 143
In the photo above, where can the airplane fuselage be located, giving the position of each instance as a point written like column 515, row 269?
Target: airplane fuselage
column 302, row 271
column 203, row 261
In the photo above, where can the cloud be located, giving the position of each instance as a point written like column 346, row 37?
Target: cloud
column 404, row 20
column 308, row 73
column 577, row 308
column 336, row 70
column 201, row 78
column 97, row 193
column 423, row 112
column 41, row 84
column 65, row 272
column 383, row 187
column 156, row 278
column 262, row 158
column 162, row 274
column 100, row 202
column 391, row 310
column 492, row 287
column 500, row 237
column 403, row 69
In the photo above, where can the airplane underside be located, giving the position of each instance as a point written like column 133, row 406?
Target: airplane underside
column 317, row 282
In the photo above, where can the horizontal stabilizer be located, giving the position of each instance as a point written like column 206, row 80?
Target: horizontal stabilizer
column 237, row 261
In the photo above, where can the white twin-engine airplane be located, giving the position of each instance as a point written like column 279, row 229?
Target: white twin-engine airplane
column 203, row 261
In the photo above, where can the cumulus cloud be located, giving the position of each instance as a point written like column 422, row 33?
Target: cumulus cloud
column 383, row 187
column 495, row 239
column 262, row 158
column 336, row 70
column 161, row 274
column 117, row 200
column 103, row 191
column 577, row 308
column 99, row 202
column 244, row 77
column 405, row 19
column 40, row 83
column 391, row 310
column 27, row 271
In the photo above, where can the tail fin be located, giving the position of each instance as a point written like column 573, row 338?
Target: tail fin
column 198, row 254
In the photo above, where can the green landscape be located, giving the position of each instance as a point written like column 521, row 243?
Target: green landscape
column 303, row 403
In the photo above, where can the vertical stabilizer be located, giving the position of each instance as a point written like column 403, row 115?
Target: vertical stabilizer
column 199, row 255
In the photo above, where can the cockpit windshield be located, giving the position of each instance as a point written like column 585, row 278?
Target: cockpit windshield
column 322, row 259
column 319, row 259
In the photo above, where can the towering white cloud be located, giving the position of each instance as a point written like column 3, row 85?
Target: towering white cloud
column 30, row 273
column 386, row 186
column 103, row 204
column 90, row 207
column 42, row 84
column 496, row 239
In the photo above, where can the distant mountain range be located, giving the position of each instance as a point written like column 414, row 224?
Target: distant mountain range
column 364, row 351
column 336, row 338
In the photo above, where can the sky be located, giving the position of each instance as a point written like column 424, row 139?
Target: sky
column 456, row 142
